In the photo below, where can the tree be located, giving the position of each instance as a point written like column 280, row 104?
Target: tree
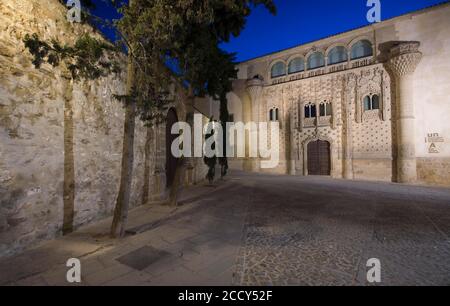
column 177, row 41
column 224, row 118
column 211, row 161
column 172, row 45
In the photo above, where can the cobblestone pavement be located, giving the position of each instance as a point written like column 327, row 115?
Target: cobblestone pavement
column 261, row 230
column 320, row 231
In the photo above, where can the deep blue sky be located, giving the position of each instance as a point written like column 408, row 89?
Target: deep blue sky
column 301, row 21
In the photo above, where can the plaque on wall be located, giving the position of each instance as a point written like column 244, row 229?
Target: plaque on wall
column 433, row 139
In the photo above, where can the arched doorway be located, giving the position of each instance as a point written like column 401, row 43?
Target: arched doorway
column 319, row 159
column 171, row 161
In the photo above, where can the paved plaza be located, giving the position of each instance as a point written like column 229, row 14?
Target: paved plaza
column 255, row 229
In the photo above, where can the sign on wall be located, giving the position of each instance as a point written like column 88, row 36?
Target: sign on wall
column 433, row 140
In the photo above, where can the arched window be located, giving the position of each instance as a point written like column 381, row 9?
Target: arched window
column 274, row 114
column 362, row 48
column 371, row 102
column 316, row 60
column 367, row 103
column 296, row 65
column 325, row 109
column 375, row 102
column 279, row 69
column 337, row 55
column 310, row 111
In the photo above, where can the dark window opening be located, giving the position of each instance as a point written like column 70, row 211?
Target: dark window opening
column 310, row 111
column 371, row 102
column 273, row 114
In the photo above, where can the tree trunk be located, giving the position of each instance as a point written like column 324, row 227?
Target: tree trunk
column 69, row 160
column 147, row 157
column 178, row 182
column 180, row 171
column 224, row 117
column 123, row 198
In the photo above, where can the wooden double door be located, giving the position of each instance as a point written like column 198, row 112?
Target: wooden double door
column 319, row 159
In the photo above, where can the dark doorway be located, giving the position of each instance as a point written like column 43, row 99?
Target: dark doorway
column 171, row 161
column 319, row 161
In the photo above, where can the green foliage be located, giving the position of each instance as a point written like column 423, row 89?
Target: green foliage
column 189, row 32
column 186, row 33
column 86, row 59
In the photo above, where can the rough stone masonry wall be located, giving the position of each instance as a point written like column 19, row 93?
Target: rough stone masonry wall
column 34, row 126
column 434, row 171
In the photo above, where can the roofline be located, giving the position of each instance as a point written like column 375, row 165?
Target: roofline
column 422, row 10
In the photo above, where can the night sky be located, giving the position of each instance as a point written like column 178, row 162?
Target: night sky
column 300, row 21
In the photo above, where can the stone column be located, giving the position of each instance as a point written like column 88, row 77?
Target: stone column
column 347, row 115
column 254, row 89
column 348, row 149
column 292, row 145
column 404, row 59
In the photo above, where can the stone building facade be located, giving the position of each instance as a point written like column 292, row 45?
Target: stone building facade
column 369, row 104
column 60, row 143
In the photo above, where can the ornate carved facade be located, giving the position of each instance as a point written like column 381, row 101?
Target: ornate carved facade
column 352, row 131
column 356, row 91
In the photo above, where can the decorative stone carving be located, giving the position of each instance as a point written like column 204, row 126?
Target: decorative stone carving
column 254, row 89
column 386, row 96
column 371, row 139
column 404, row 58
column 348, row 121
column 369, row 83
column 324, row 120
column 309, row 122
column 403, row 62
column 371, row 115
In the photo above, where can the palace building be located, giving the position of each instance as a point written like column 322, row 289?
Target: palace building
column 368, row 104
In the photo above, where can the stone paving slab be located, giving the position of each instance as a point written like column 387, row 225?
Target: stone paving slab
column 45, row 264
column 261, row 230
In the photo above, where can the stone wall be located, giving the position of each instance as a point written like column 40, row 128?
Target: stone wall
column 434, row 171
column 55, row 135
column 373, row 169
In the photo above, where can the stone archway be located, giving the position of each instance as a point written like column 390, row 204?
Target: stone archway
column 171, row 161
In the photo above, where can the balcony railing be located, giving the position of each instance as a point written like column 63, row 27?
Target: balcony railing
column 325, row 70
column 309, row 122
column 322, row 121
